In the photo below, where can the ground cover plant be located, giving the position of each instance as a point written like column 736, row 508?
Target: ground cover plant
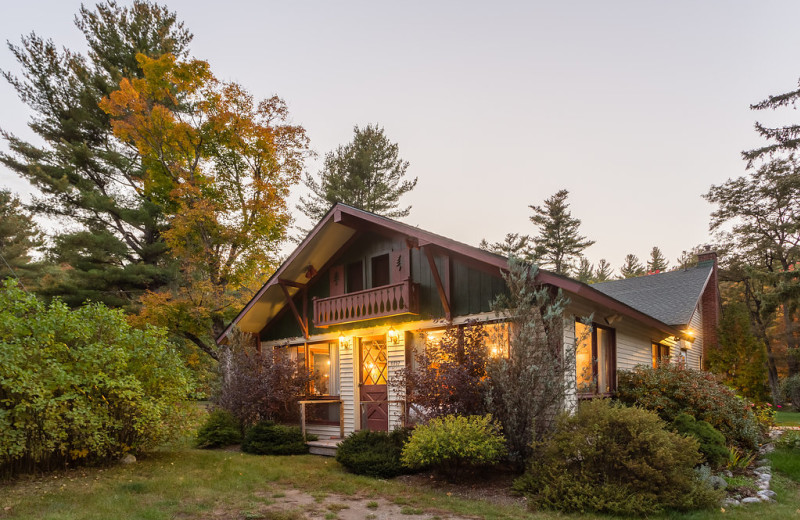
column 82, row 386
column 374, row 453
column 672, row 389
column 614, row 459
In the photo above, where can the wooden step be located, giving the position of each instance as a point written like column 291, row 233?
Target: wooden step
column 324, row 447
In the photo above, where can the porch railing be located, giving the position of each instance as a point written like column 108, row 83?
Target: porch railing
column 387, row 300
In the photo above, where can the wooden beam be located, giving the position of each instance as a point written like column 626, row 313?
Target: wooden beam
column 444, row 295
column 291, row 283
column 290, row 300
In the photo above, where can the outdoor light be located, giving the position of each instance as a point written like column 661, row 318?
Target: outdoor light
column 393, row 336
column 343, row 341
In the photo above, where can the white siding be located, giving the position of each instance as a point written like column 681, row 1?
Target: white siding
column 397, row 361
column 695, row 350
column 347, row 385
column 634, row 346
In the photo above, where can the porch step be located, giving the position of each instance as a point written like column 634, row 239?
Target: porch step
column 324, row 447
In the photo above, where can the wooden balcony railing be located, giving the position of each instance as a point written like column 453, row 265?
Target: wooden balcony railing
column 387, row 300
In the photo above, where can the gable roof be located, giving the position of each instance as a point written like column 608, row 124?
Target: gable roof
column 671, row 297
column 344, row 223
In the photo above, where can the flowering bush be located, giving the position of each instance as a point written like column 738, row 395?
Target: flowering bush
column 765, row 415
column 614, row 459
column 452, row 443
column 672, row 389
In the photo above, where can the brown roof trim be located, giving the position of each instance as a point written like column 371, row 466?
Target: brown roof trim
column 360, row 219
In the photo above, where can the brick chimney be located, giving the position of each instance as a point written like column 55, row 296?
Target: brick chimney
column 712, row 310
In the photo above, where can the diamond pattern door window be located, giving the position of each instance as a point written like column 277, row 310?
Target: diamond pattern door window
column 373, row 362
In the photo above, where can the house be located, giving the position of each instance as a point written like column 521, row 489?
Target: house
column 362, row 291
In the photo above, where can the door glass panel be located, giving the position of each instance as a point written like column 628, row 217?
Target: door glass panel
column 373, row 362
column 583, row 357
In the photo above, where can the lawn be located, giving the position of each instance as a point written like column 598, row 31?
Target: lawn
column 193, row 484
column 787, row 418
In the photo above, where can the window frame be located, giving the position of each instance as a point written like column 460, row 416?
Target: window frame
column 657, row 353
column 612, row 377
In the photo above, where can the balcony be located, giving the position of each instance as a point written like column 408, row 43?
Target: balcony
column 387, row 300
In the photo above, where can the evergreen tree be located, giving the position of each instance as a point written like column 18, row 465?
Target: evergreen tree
column 783, row 141
column 632, row 267
column 516, row 245
column 585, row 271
column 657, row 262
column 19, row 237
column 366, row 173
column 603, row 272
column 558, row 244
column 741, row 357
column 87, row 177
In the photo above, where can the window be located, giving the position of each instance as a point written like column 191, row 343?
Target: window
column 322, row 364
column 497, row 339
column 660, row 354
column 380, row 270
column 595, row 358
column 355, row 276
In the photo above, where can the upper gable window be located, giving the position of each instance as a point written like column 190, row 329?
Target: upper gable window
column 380, row 270
column 355, row 276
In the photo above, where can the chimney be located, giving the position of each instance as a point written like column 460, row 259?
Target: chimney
column 710, row 300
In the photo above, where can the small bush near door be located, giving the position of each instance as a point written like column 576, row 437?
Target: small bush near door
column 455, row 443
column 373, row 453
column 220, row 429
column 614, row 459
column 268, row 438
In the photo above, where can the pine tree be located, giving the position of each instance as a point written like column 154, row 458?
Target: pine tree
column 19, row 237
column 366, row 173
column 657, row 262
column 516, row 245
column 603, row 272
column 585, row 271
column 783, row 141
column 558, row 244
column 86, row 177
column 632, row 267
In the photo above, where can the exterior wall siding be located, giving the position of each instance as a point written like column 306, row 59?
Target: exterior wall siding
column 695, row 352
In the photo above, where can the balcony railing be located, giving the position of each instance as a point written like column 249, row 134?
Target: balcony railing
column 387, row 300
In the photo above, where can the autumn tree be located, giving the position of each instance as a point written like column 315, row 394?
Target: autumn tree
column 219, row 165
column 515, row 244
column 558, row 245
column 366, row 173
column 87, row 178
column 631, row 267
column 657, row 262
column 19, row 238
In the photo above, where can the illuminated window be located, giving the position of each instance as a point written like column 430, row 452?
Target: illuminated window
column 497, row 340
column 323, row 366
column 595, row 358
column 660, row 354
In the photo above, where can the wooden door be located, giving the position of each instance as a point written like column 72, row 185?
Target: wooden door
column 374, row 392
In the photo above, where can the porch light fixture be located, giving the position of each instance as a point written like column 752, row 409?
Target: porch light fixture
column 393, row 336
column 343, row 342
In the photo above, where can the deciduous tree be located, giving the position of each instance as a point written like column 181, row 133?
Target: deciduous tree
column 366, row 173
column 219, row 165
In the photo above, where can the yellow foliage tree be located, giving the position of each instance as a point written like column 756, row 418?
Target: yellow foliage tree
column 220, row 165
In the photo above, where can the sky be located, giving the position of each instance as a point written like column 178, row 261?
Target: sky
column 636, row 108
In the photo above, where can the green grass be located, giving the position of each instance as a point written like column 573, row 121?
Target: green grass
column 192, row 484
column 787, row 418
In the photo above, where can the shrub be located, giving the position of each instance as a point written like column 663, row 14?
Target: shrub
column 268, row 438
column 452, row 443
column 712, row 442
column 790, row 388
column 790, row 440
column 82, row 385
column 672, row 389
column 376, row 454
column 613, row 459
column 220, row 429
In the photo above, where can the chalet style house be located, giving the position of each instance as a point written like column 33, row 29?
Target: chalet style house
column 362, row 292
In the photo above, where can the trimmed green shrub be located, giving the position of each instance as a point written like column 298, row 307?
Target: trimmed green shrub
column 220, row 429
column 614, row 459
column 82, row 385
column 268, row 438
column 712, row 442
column 376, row 454
column 452, row 443
column 672, row 389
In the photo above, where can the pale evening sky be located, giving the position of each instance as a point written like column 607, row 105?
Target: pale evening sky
column 635, row 107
